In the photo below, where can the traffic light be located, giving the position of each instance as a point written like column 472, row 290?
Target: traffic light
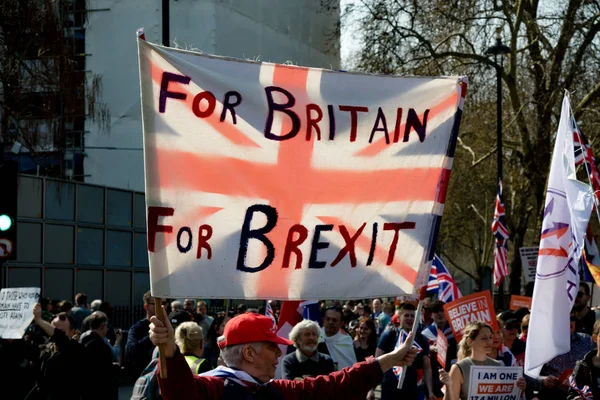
column 8, row 210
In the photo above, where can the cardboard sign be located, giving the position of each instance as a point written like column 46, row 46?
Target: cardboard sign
column 517, row 302
column 268, row 181
column 16, row 311
column 441, row 345
column 494, row 383
column 474, row 307
column 529, row 256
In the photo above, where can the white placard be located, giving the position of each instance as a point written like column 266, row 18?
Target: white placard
column 493, row 383
column 529, row 256
column 16, row 305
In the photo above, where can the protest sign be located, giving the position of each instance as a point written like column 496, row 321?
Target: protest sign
column 494, row 383
column 441, row 344
column 474, row 307
column 529, row 256
column 16, row 311
column 281, row 182
column 517, row 302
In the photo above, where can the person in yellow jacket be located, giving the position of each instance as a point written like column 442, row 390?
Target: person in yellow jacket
column 189, row 339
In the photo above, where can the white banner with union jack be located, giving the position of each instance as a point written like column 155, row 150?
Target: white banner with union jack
column 271, row 181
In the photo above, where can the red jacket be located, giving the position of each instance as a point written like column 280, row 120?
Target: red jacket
column 350, row 383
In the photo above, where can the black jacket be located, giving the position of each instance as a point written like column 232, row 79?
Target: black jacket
column 100, row 369
column 139, row 348
column 585, row 381
column 60, row 375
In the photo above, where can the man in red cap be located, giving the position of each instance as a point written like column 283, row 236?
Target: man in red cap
column 250, row 348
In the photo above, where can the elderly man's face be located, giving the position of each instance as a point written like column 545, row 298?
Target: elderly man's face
column 265, row 361
column 308, row 341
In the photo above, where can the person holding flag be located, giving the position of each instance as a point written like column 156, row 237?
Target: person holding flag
column 417, row 372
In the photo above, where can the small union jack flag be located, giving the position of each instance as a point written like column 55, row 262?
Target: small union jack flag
column 269, row 313
column 401, row 339
column 584, row 392
column 584, row 155
column 501, row 233
column 441, row 281
column 433, row 284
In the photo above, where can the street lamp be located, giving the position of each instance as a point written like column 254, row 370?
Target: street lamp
column 499, row 50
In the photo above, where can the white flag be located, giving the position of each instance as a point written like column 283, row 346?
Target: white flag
column 566, row 213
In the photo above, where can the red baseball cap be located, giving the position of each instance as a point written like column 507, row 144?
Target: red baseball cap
column 250, row 328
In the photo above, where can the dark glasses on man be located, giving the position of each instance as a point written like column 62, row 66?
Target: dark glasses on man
column 511, row 326
column 580, row 295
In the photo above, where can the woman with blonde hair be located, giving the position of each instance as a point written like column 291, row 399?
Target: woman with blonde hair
column 190, row 341
column 476, row 343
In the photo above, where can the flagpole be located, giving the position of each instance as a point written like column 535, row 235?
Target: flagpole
column 422, row 294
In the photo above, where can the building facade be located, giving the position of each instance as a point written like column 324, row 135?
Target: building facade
column 296, row 31
column 90, row 236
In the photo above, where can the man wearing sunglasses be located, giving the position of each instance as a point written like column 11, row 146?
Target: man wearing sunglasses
column 585, row 316
column 509, row 325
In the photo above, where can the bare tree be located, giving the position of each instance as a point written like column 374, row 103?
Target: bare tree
column 553, row 47
column 45, row 92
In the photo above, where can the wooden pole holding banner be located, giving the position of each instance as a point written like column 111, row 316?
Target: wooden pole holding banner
column 161, row 347
column 414, row 331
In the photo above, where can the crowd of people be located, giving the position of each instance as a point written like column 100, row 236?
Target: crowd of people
column 80, row 343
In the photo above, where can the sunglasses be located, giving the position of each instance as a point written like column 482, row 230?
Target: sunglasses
column 511, row 326
column 580, row 295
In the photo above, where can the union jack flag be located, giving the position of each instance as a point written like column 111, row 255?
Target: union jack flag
column 585, row 392
column 369, row 172
column 401, row 339
column 269, row 313
column 584, row 155
column 501, row 233
column 433, row 284
column 441, row 280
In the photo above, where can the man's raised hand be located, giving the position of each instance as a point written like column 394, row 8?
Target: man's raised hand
column 162, row 333
column 402, row 356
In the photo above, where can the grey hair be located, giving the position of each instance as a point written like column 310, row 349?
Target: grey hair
column 176, row 305
column 96, row 304
column 301, row 327
column 233, row 356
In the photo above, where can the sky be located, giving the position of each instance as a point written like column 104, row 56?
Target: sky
column 349, row 40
